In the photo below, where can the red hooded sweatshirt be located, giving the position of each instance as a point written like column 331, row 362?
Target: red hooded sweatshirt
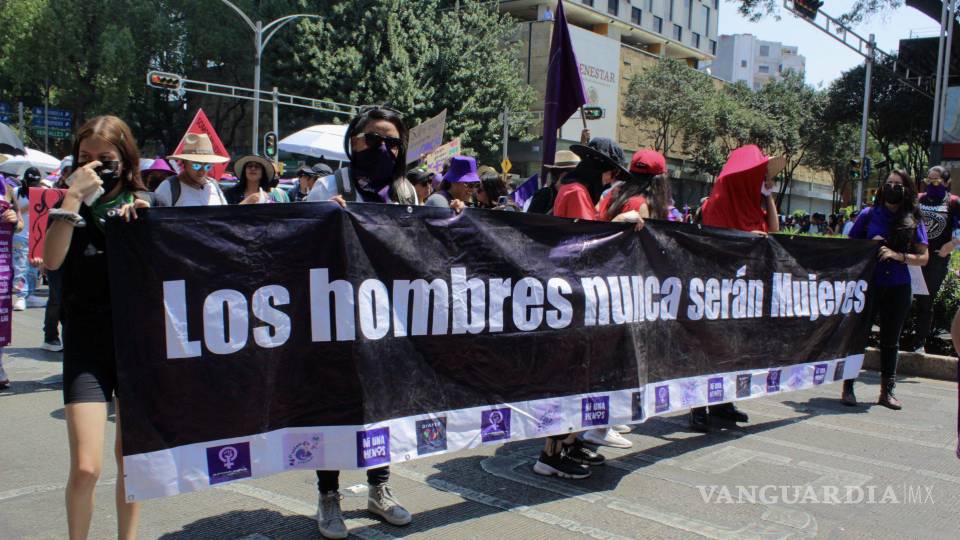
column 734, row 202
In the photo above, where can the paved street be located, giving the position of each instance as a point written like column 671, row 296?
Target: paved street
column 671, row 484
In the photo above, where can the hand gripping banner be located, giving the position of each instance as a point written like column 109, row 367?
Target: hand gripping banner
column 269, row 338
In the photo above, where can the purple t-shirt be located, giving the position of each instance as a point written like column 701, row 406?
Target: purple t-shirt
column 888, row 273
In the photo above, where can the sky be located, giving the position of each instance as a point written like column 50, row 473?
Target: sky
column 826, row 57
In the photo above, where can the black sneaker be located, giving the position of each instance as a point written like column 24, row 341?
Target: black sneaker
column 583, row 455
column 699, row 421
column 560, row 465
column 727, row 411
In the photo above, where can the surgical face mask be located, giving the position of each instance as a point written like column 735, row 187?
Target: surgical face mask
column 893, row 193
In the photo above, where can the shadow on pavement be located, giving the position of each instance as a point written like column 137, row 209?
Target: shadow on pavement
column 33, row 353
column 51, row 383
column 248, row 523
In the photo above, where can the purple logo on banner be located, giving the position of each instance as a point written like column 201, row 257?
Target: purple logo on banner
column 819, row 373
column 595, row 411
column 495, row 425
column 838, row 371
column 663, row 399
column 302, row 450
column 636, row 405
column 715, row 389
column 744, row 380
column 431, row 435
column 773, row 380
column 228, row 462
column 373, row 447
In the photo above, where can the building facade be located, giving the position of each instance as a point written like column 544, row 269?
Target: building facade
column 611, row 48
column 744, row 58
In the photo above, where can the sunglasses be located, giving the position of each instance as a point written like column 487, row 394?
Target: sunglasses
column 375, row 140
column 201, row 166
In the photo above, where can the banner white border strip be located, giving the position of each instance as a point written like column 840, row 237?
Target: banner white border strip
column 188, row 468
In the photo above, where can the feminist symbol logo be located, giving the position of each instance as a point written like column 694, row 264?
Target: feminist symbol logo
column 227, row 456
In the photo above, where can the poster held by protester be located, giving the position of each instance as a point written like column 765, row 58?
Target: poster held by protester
column 426, row 136
column 352, row 349
column 201, row 124
column 435, row 160
column 6, row 278
column 42, row 200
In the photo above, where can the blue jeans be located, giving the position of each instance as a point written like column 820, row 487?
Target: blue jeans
column 24, row 276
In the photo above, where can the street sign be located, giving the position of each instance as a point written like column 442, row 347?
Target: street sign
column 505, row 166
column 6, row 113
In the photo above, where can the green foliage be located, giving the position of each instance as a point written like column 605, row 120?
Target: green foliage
column 861, row 9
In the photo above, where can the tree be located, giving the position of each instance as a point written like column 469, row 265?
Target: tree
column 666, row 101
column 390, row 52
column 861, row 9
column 838, row 143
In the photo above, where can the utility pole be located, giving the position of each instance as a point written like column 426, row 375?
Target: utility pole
column 259, row 42
column 945, row 85
column 276, row 119
column 866, row 117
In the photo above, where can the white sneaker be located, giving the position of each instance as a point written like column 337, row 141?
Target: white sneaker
column 621, row 428
column 52, row 346
column 36, row 301
column 19, row 303
column 606, row 437
column 329, row 517
column 382, row 503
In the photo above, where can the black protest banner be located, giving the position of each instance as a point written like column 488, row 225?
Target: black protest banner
column 275, row 337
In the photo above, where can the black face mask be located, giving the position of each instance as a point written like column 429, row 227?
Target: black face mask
column 375, row 164
column 893, row 193
column 108, row 171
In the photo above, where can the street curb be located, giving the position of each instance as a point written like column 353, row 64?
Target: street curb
column 931, row 366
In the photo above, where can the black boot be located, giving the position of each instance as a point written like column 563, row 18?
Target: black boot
column 727, row 411
column 699, row 421
column 887, row 399
column 846, row 396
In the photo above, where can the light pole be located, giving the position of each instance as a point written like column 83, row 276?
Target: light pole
column 259, row 42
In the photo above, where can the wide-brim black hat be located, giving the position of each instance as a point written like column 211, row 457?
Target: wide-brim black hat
column 603, row 160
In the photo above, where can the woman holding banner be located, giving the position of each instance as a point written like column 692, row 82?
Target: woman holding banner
column 895, row 220
column 376, row 145
column 105, row 182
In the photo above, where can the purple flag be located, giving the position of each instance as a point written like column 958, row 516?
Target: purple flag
column 526, row 190
column 565, row 93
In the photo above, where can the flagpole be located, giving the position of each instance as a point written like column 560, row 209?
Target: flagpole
column 582, row 117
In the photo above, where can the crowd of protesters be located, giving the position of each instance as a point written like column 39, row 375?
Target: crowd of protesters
column 104, row 175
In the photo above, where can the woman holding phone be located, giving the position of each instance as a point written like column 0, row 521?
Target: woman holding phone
column 104, row 182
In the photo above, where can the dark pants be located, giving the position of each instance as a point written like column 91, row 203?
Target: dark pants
column 53, row 316
column 891, row 305
column 934, row 273
column 328, row 481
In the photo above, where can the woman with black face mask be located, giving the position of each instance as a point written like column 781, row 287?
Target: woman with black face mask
column 941, row 215
column 895, row 221
column 376, row 144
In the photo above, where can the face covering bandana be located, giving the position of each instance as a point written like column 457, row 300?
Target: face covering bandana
column 376, row 164
column 937, row 192
column 893, row 193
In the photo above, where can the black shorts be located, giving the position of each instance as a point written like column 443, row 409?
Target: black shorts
column 89, row 365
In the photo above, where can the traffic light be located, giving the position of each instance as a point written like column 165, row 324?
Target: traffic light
column 592, row 113
column 854, row 169
column 807, row 8
column 270, row 146
column 164, row 81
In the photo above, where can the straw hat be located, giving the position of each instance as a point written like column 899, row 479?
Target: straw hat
column 198, row 148
column 268, row 169
column 564, row 159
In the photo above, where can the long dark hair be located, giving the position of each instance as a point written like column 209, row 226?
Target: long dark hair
column 116, row 132
column 904, row 225
column 238, row 190
column 494, row 187
column 635, row 185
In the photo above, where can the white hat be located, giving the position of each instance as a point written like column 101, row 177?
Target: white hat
column 66, row 162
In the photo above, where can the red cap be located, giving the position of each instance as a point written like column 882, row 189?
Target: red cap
column 648, row 161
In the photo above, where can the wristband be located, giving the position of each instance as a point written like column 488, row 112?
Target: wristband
column 70, row 218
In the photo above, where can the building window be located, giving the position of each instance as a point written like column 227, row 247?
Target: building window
column 613, row 7
column 764, row 50
column 764, row 69
column 658, row 25
column 671, row 9
column 678, row 32
column 636, row 16
column 743, row 63
column 650, row 6
column 588, row 2
column 689, row 13
column 780, row 68
column 713, row 47
column 696, row 40
column 706, row 21
column 716, row 5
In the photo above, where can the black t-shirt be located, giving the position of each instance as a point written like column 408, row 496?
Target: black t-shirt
column 941, row 218
column 86, row 285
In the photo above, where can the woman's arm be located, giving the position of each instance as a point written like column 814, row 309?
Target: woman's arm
column 919, row 258
column 84, row 182
column 773, row 219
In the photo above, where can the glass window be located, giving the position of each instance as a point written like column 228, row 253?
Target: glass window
column 678, row 32
column 743, row 63
column 696, row 40
column 636, row 16
column 658, row 25
column 713, row 47
column 689, row 13
column 650, row 5
column 588, row 2
column 764, row 69
column 764, row 50
column 613, row 7
column 671, row 9
column 706, row 20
